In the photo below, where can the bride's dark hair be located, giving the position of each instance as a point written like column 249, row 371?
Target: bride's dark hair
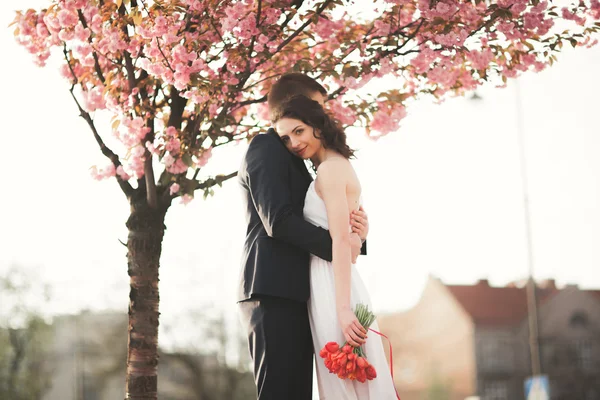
column 313, row 114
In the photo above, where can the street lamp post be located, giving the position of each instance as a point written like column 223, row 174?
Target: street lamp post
column 532, row 314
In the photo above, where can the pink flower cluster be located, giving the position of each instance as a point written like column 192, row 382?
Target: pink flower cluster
column 480, row 60
column 326, row 27
column 202, row 51
column 94, row 99
column 132, row 131
column 345, row 115
column 387, row 118
column 102, row 173
column 241, row 21
column 423, row 61
column 203, row 156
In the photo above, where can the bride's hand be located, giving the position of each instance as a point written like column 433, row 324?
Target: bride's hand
column 353, row 331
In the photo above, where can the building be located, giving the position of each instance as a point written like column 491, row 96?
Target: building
column 473, row 340
column 88, row 354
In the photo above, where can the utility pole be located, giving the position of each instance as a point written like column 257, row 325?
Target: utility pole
column 532, row 312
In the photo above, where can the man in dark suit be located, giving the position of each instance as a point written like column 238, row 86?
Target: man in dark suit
column 274, row 281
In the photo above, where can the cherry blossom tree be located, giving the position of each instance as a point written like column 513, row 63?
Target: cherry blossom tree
column 183, row 77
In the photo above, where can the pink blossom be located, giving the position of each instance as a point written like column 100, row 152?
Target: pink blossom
column 80, row 3
column 178, row 167
column 201, row 50
column 168, row 160
column 66, row 35
column 132, row 131
column 174, row 188
column 480, row 59
column 422, row 62
column 41, row 30
column 94, row 99
column 121, row 172
column 326, row 27
column 569, row 15
column 263, row 112
column 173, row 146
column 51, row 22
column 82, row 34
column 67, row 18
column 204, row 156
column 387, row 119
column 595, row 10
column 345, row 115
column 443, row 75
column 186, row 199
column 102, row 173
column 443, row 9
column 82, row 51
column 182, row 78
column 171, row 132
column 65, row 72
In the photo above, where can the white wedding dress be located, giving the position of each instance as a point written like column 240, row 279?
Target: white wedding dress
column 325, row 327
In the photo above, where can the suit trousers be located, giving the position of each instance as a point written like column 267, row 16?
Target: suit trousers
column 280, row 345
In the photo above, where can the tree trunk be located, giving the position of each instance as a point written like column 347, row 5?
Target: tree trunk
column 17, row 341
column 144, row 245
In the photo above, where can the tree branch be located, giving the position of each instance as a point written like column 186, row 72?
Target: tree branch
column 151, row 192
column 301, row 28
column 96, row 63
column 254, row 101
column 177, row 106
column 163, row 54
column 336, row 92
column 258, row 13
column 125, row 186
column 217, row 180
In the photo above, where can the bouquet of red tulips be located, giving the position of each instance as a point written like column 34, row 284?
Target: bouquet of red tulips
column 349, row 362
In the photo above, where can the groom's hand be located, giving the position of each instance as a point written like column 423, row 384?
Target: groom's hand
column 360, row 223
column 355, row 245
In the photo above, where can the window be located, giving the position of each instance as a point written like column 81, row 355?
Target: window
column 549, row 354
column 496, row 354
column 496, row 390
column 583, row 354
column 579, row 319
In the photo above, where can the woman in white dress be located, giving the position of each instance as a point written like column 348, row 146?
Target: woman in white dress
column 310, row 133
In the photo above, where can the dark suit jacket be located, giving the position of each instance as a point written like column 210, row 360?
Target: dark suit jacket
column 278, row 241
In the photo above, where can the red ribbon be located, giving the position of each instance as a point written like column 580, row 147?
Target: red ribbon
column 391, row 359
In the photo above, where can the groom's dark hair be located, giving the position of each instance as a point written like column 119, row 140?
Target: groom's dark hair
column 290, row 85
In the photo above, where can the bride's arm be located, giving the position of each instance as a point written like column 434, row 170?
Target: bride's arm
column 332, row 180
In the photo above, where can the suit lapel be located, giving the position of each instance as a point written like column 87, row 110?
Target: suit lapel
column 296, row 161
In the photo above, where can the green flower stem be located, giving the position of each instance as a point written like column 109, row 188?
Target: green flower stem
column 366, row 318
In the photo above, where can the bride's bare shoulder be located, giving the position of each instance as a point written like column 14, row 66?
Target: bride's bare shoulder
column 335, row 167
column 335, row 174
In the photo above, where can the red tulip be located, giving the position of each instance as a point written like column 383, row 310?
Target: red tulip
column 350, row 366
column 324, row 353
column 361, row 362
column 332, row 347
column 361, row 375
column 371, row 373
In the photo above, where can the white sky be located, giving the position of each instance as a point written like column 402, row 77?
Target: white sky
column 444, row 195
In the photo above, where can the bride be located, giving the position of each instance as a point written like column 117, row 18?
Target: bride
column 335, row 288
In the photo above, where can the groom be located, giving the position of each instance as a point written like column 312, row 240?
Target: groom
column 274, row 282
